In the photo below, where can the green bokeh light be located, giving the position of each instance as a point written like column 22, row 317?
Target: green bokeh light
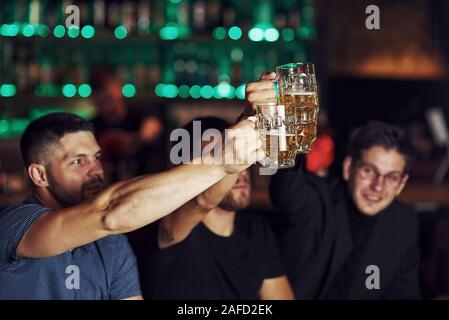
column 305, row 32
column 195, row 91
column 224, row 89
column 4, row 126
column 256, row 34
column 28, row 30
column 43, row 30
column 120, row 32
column 235, row 33
column 237, row 55
column 170, row 91
column 308, row 11
column 69, row 90
column 59, row 31
column 184, row 91
column 169, row 32
column 10, row 30
column 240, row 92
column 159, row 89
column 219, row 33
column 271, row 34
column 87, row 32
column 207, row 92
column 129, row 90
column 7, row 90
column 73, row 32
column 84, row 90
column 288, row 34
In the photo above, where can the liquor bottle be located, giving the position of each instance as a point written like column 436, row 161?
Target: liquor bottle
column 228, row 18
column 213, row 13
column 199, row 16
column 99, row 14
column 128, row 17
column 143, row 17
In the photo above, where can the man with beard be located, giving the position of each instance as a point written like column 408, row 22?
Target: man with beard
column 63, row 242
column 349, row 238
column 206, row 250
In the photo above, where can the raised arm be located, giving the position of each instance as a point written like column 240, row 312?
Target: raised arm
column 175, row 227
column 129, row 205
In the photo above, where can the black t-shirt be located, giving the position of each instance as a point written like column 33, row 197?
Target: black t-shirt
column 360, row 226
column 208, row 266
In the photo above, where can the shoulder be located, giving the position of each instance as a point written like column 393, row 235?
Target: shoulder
column 404, row 213
column 405, row 218
column 114, row 242
column 17, row 212
column 254, row 223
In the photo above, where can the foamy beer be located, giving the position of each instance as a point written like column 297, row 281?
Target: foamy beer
column 279, row 136
column 299, row 93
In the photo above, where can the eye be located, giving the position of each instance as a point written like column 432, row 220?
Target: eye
column 367, row 170
column 77, row 162
column 393, row 178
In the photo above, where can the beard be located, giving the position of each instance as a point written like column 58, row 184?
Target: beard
column 68, row 198
column 234, row 202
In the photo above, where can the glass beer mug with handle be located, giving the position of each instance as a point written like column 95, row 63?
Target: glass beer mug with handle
column 278, row 136
column 299, row 93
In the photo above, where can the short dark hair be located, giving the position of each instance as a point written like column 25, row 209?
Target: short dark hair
column 47, row 130
column 381, row 134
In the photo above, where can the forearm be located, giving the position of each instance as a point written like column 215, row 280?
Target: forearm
column 145, row 199
column 212, row 197
column 177, row 226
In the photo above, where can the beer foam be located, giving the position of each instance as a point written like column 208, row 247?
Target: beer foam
column 300, row 93
column 277, row 133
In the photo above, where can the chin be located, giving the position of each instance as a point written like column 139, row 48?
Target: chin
column 370, row 210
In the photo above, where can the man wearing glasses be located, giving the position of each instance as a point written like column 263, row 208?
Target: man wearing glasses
column 351, row 239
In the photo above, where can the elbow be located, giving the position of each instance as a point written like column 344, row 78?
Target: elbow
column 114, row 219
column 109, row 223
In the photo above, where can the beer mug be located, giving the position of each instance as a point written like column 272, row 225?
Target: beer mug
column 278, row 135
column 299, row 93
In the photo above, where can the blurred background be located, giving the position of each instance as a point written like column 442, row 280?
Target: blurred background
column 139, row 69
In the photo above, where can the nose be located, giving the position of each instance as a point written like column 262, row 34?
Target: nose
column 243, row 176
column 95, row 169
column 378, row 183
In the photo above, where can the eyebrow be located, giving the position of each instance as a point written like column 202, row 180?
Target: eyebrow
column 79, row 155
column 372, row 165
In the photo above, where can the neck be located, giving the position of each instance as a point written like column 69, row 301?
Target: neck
column 45, row 198
column 220, row 221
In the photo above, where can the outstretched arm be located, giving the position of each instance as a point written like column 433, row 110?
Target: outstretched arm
column 175, row 227
column 132, row 204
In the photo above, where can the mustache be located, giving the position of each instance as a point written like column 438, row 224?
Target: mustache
column 93, row 182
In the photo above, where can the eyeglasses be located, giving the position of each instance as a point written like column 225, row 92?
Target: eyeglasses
column 370, row 172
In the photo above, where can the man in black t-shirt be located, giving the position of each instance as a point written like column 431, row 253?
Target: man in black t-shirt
column 206, row 250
